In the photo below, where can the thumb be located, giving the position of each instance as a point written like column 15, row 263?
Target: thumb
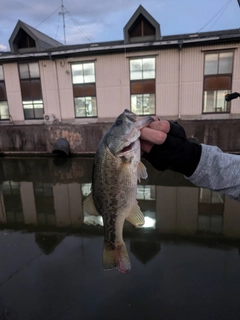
column 146, row 146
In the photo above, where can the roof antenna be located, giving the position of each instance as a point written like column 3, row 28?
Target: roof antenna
column 63, row 12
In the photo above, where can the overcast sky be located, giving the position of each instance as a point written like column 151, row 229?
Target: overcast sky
column 104, row 20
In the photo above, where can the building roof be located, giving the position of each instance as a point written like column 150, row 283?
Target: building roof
column 45, row 47
column 41, row 40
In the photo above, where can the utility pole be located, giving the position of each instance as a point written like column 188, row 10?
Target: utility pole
column 63, row 12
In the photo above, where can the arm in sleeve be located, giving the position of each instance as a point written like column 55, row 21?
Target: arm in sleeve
column 218, row 171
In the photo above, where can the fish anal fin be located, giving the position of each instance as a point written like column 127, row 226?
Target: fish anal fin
column 136, row 217
column 142, row 171
column 116, row 258
column 89, row 206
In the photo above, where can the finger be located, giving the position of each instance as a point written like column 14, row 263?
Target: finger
column 146, row 145
column 152, row 135
column 177, row 130
column 162, row 125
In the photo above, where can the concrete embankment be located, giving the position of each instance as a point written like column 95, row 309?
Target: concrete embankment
column 84, row 138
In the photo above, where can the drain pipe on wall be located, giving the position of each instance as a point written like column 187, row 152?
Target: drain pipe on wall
column 180, row 43
column 59, row 99
column 58, row 94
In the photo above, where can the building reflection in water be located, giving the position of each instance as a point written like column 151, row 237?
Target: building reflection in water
column 12, row 202
column 174, row 210
column 210, row 211
column 168, row 210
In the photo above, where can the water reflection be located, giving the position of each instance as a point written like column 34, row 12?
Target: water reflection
column 52, row 202
column 186, row 258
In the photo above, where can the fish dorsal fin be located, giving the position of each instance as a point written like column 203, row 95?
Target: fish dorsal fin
column 89, row 206
column 142, row 171
column 136, row 216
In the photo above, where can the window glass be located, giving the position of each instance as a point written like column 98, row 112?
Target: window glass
column 38, row 112
column 36, row 90
column 85, row 107
column 44, row 201
column 33, row 109
column 88, row 69
column 136, row 69
column 86, row 189
column 211, row 63
column 83, row 73
column 80, row 107
column 28, row 104
column 38, row 104
column 225, row 62
column 208, row 196
column 3, row 95
column 34, row 70
column 11, row 187
column 143, row 104
column 142, row 68
column 77, row 73
column 24, row 71
column 145, row 192
column 4, row 112
column 214, row 101
column 1, row 73
column 149, row 68
column 26, row 89
column 136, row 65
column 28, row 113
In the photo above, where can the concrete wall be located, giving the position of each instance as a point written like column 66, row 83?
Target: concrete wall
column 84, row 138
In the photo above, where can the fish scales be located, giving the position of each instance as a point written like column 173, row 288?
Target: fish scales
column 116, row 170
column 112, row 194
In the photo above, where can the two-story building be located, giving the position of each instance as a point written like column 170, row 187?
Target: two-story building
column 43, row 82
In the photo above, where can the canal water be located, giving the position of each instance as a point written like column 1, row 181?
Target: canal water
column 185, row 259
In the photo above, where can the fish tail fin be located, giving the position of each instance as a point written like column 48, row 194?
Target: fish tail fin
column 116, row 258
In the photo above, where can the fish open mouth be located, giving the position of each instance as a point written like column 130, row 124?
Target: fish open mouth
column 127, row 148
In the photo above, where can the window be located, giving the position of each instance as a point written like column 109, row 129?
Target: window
column 31, row 91
column 12, row 202
column 217, row 81
column 86, row 189
column 84, row 90
column 44, row 201
column 210, row 211
column 4, row 112
column 145, row 192
column 142, row 86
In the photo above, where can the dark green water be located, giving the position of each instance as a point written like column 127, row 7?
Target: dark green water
column 185, row 260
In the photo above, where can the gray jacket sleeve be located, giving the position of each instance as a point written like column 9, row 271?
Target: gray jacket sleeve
column 218, row 171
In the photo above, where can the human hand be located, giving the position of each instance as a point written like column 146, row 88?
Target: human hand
column 166, row 146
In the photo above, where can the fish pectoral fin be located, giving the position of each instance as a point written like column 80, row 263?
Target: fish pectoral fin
column 116, row 258
column 142, row 171
column 89, row 206
column 136, row 217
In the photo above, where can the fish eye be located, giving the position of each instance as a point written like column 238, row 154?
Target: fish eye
column 118, row 122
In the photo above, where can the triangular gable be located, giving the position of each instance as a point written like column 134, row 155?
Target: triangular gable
column 141, row 27
column 27, row 39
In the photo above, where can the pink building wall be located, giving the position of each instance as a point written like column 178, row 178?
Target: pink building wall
column 179, row 84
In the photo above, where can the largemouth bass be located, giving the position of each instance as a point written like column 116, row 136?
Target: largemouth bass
column 116, row 170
